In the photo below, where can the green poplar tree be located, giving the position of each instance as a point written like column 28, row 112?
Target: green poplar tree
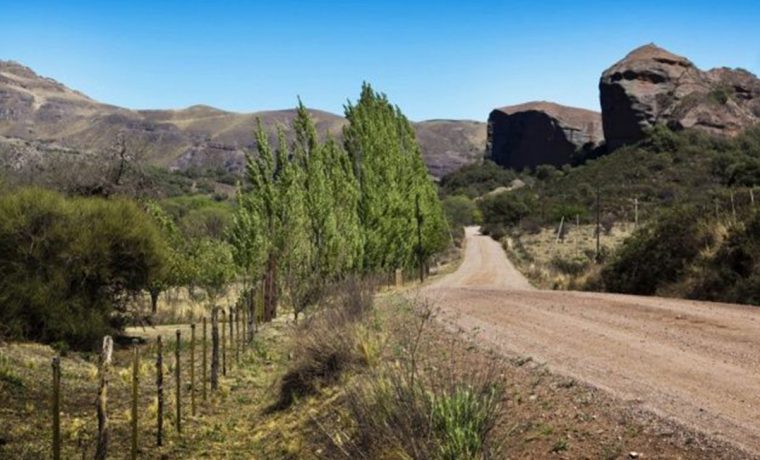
column 392, row 179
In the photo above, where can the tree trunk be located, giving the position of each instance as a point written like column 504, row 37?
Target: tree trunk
column 270, row 290
column 154, row 293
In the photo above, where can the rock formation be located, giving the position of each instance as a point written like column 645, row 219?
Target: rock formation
column 536, row 133
column 651, row 85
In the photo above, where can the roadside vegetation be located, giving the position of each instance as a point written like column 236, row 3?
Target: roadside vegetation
column 692, row 194
column 363, row 376
column 79, row 262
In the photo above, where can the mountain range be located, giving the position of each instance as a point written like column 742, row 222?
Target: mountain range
column 39, row 115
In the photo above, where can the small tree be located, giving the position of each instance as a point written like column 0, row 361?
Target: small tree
column 215, row 267
column 175, row 271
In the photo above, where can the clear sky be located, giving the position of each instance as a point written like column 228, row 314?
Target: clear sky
column 435, row 59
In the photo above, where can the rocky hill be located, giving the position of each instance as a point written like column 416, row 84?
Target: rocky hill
column 651, row 85
column 39, row 115
column 535, row 133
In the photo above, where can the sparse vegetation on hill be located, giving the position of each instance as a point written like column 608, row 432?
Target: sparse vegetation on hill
column 694, row 193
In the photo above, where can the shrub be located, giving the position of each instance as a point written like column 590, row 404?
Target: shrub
column 329, row 342
column 733, row 273
column 68, row 266
column 657, row 254
column 572, row 267
column 504, row 210
column 436, row 416
column 419, row 409
column 476, row 179
column 460, row 211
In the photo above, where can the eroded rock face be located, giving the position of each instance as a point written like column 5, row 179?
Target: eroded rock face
column 651, row 85
column 527, row 135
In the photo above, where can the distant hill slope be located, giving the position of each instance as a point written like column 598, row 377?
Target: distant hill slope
column 38, row 114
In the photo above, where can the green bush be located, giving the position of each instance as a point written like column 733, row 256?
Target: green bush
column 503, row 211
column 67, row 266
column 460, row 211
column 476, row 179
column 657, row 254
column 572, row 266
column 733, row 273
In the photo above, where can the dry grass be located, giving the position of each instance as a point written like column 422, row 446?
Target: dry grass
column 564, row 264
column 537, row 415
column 179, row 306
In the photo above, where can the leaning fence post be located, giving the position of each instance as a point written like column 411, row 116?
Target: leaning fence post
column 178, row 382
column 215, row 348
column 135, row 381
column 224, row 342
column 204, row 364
column 56, row 407
column 159, row 391
column 101, row 449
column 192, row 369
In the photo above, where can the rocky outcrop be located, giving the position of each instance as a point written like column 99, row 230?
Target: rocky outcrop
column 536, row 133
column 651, row 85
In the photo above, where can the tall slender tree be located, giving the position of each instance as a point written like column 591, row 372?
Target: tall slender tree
column 391, row 175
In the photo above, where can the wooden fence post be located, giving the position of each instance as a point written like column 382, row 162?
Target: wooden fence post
column 56, row 407
column 237, row 335
column 159, row 391
column 231, row 321
column 192, row 369
column 224, row 342
column 135, row 382
column 215, row 349
column 178, row 382
column 204, row 363
column 399, row 278
column 106, row 352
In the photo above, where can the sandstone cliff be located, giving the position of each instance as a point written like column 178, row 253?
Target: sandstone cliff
column 651, row 85
column 536, row 133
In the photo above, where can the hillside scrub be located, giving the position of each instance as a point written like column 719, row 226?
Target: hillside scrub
column 476, row 179
column 665, row 170
column 658, row 254
column 687, row 189
column 70, row 265
column 732, row 274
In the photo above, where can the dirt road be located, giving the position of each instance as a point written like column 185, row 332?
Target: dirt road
column 697, row 363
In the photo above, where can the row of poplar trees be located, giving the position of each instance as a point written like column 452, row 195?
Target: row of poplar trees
column 318, row 211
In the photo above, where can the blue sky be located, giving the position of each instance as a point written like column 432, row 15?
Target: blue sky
column 435, row 59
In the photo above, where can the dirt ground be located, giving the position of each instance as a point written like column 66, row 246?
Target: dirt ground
column 694, row 364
